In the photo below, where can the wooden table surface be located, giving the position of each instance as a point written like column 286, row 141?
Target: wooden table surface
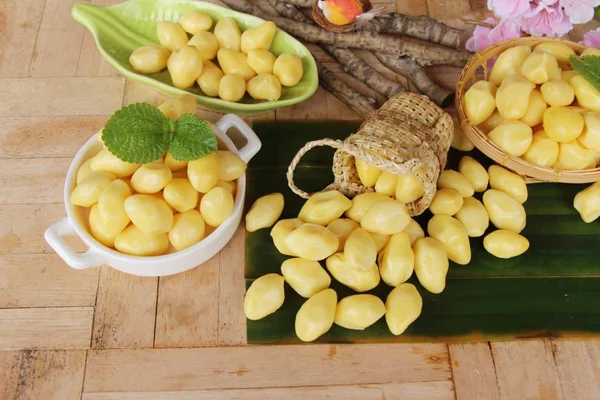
column 101, row 334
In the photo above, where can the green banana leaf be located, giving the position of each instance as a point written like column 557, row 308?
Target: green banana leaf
column 122, row 28
column 553, row 290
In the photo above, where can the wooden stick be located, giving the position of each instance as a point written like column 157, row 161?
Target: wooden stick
column 358, row 102
column 410, row 69
column 362, row 71
column 420, row 27
column 425, row 54
column 289, row 10
column 300, row 3
column 351, row 63
column 404, row 66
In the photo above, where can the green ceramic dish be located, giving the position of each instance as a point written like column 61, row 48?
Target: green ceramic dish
column 122, row 28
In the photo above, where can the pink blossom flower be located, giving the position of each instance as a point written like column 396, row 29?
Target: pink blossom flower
column 592, row 39
column 579, row 11
column 548, row 20
column 484, row 37
column 509, row 8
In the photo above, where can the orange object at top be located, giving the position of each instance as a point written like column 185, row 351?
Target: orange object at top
column 341, row 12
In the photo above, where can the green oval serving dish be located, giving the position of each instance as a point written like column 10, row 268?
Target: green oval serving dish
column 122, row 28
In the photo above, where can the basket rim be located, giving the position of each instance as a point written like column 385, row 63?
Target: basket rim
column 489, row 148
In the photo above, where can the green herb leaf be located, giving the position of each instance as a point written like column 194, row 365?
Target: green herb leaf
column 193, row 139
column 588, row 67
column 138, row 133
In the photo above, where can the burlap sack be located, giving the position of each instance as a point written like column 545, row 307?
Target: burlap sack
column 408, row 134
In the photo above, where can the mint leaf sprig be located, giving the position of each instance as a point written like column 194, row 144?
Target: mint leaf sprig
column 588, row 67
column 140, row 133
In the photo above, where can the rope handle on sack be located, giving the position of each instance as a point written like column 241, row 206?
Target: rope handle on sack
column 354, row 151
column 336, row 144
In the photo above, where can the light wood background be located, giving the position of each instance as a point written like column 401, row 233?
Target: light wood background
column 103, row 335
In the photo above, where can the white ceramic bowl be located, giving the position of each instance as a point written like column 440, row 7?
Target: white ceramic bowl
column 76, row 222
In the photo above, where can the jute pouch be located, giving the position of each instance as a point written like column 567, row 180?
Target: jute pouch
column 408, row 134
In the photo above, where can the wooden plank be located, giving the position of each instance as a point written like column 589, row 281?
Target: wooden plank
column 232, row 321
column 46, row 328
column 578, row 364
column 19, row 24
column 320, row 55
column 125, row 310
column 526, row 370
column 339, row 109
column 447, row 78
column 187, row 313
column 22, row 225
column 35, row 137
column 452, row 9
column 473, row 372
column 60, row 96
column 311, row 109
column 35, row 374
column 264, row 366
column 38, row 180
column 91, row 62
column 477, row 5
column 44, row 280
column 59, row 41
column 268, row 116
column 412, row 7
column 9, row 373
column 441, row 390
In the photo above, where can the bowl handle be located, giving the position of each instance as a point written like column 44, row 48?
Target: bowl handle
column 253, row 145
column 53, row 236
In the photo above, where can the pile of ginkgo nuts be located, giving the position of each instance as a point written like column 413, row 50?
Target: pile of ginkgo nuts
column 373, row 237
column 224, row 62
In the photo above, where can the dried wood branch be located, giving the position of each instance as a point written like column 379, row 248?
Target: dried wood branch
column 410, row 69
column 351, row 63
column 300, row 3
column 288, row 10
column 425, row 54
column 358, row 102
column 420, row 27
column 362, row 71
column 400, row 65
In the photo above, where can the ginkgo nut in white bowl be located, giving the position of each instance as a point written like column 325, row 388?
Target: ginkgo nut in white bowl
column 97, row 254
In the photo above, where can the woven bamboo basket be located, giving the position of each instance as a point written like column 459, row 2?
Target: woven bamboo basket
column 532, row 172
column 408, row 134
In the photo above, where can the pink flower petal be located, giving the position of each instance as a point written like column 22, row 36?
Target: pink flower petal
column 579, row 11
column 506, row 29
column 544, row 20
column 479, row 40
column 592, row 39
column 509, row 8
column 484, row 37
